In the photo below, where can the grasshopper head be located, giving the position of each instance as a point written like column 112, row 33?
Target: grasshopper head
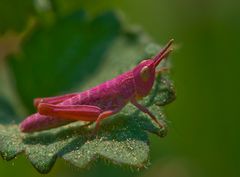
column 144, row 73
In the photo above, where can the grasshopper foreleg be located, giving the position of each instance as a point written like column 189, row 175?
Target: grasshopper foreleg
column 145, row 110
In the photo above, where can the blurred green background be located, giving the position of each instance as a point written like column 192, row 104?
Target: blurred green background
column 203, row 139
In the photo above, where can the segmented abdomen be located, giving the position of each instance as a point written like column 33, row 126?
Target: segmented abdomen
column 37, row 122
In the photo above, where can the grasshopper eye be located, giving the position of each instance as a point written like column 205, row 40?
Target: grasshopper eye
column 145, row 73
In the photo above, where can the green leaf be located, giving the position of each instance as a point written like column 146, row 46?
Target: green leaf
column 123, row 138
column 57, row 58
column 14, row 14
column 7, row 112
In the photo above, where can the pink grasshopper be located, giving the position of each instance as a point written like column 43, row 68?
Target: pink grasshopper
column 99, row 102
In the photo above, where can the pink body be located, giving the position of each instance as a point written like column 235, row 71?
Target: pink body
column 109, row 95
column 98, row 102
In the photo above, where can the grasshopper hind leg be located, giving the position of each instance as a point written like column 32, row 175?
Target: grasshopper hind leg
column 70, row 112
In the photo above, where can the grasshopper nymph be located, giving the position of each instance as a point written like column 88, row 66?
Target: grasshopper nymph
column 99, row 102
